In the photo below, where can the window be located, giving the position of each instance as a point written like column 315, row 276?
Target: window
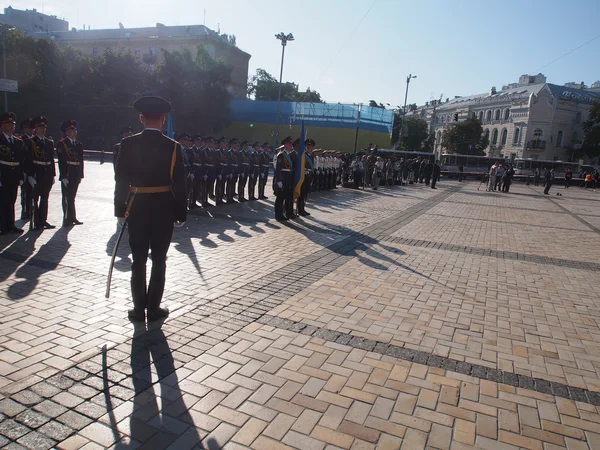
column 487, row 134
column 574, row 138
column 488, row 116
column 503, row 137
column 153, row 50
column 439, row 138
column 443, row 119
column 481, row 116
column 559, row 138
column 578, row 118
column 495, row 135
column 517, row 135
column 506, row 113
column 95, row 51
column 497, row 116
column 474, row 116
column 537, row 134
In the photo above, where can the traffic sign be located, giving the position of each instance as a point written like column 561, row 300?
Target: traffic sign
column 7, row 85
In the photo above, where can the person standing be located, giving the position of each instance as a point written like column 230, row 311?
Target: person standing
column 70, row 167
column 263, row 170
column 26, row 190
column 492, row 178
column 12, row 159
column 243, row 169
column 536, row 177
column 253, row 170
column 377, row 172
column 309, row 144
column 508, row 176
column 549, row 177
column 568, row 178
column 358, row 169
column 283, row 180
column 125, row 133
column 150, row 192
column 41, row 171
column 428, row 172
column 437, row 171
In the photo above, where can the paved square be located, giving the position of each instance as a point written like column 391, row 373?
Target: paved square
column 403, row 318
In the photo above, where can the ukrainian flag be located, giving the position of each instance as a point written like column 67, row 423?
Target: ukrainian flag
column 170, row 132
column 300, row 161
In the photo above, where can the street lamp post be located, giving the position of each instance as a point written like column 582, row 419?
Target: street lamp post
column 284, row 38
column 357, row 127
column 5, row 28
column 408, row 78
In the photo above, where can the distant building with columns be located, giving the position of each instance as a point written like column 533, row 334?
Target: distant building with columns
column 529, row 119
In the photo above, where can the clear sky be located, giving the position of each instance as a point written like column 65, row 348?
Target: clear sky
column 457, row 47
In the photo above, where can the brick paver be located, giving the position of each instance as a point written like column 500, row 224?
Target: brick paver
column 405, row 318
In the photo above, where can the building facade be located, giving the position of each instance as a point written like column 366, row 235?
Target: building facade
column 530, row 119
column 146, row 45
column 31, row 21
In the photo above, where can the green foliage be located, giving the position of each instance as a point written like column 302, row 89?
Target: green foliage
column 264, row 86
column 414, row 132
column 591, row 128
column 98, row 92
column 465, row 138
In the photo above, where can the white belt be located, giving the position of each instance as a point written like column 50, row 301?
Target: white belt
column 9, row 163
column 73, row 163
column 42, row 163
column 286, row 170
column 198, row 164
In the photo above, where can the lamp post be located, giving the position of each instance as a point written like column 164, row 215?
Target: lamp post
column 357, row 127
column 4, row 28
column 408, row 78
column 284, row 38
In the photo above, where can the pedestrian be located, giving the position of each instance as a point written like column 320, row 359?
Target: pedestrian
column 12, row 160
column 358, row 170
column 492, row 178
column 263, row 169
column 549, row 177
column 309, row 144
column 568, row 178
column 41, row 171
column 70, row 167
column 150, row 193
column 253, row 170
column 536, row 177
column 508, row 176
column 499, row 177
column 427, row 172
column 437, row 171
column 378, row 172
column 283, row 179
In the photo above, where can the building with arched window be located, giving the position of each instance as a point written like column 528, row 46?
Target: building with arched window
column 529, row 119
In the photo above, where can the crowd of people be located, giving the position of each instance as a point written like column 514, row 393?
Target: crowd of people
column 28, row 161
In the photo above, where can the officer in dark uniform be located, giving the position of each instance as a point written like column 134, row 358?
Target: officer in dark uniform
column 283, row 181
column 196, row 161
column 150, row 192
column 26, row 191
column 209, row 173
column 264, row 160
column 40, row 171
column 243, row 169
column 309, row 166
column 125, row 133
column 12, row 159
column 70, row 167
column 231, row 170
column 220, row 170
column 253, row 170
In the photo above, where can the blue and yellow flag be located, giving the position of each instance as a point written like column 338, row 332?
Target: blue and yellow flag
column 170, row 132
column 300, row 161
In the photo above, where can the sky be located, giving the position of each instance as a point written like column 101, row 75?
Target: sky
column 353, row 51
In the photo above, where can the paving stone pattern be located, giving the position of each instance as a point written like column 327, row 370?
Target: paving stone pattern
column 392, row 319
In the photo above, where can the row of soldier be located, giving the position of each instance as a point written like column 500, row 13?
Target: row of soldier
column 28, row 161
column 373, row 169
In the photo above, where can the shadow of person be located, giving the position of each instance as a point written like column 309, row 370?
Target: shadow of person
column 150, row 350
column 122, row 260
column 16, row 253
column 45, row 260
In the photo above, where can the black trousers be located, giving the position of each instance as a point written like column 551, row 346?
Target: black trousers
column 69, row 192
column 220, row 189
column 8, row 197
column 26, row 194
column 433, row 181
column 506, row 185
column 150, row 228
column 279, row 200
column 252, row 186
column 241, row 187
column 230, row 188
column 304, row 190
column 197, row 190
column 41, row 193
column 262, row 183
column 548, row 186
column 427, row 180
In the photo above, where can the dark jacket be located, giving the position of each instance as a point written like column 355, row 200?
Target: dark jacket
column 70, row 160
column 12, row 160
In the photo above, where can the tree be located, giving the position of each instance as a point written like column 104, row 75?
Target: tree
column 264, row 86
column 415, row 132
column 465, row 138
column 591, row 129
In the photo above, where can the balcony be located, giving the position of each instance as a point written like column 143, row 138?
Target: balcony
column 536, row 144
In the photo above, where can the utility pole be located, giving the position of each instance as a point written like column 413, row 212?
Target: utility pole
column 408, row 78
column 284, row 38
column 357, row 127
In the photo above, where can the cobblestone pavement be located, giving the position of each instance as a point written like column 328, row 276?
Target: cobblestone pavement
column 403, row 318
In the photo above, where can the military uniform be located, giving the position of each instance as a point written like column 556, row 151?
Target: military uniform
column 40, row 171
column 70, row 167
column 243, row 170
column 209, row 175
column 283, row 181
column 26, row 189
column 125, row 133
column 150, row 192
column 12, row 159
column 253, row 170
column 231, row 169
column 263, row 170
column 221, row 162
column 308, row 177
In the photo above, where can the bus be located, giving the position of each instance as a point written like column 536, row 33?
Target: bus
column 527, row 166
column 472, row 165
column 399, row 154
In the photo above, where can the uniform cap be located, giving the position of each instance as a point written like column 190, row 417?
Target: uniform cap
column 153, row 107
column 126, row 129
column 8, row 117
column 233, row 141
column 297, row 141
column 68, row 125
column 222, row 139
column 286, row 140
column 197, row 136
column 309, row 142
column 266, row 144
column 244, row 143
column 39, row 121
column 256, row 144
column 25, row 123
column 185, row 136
